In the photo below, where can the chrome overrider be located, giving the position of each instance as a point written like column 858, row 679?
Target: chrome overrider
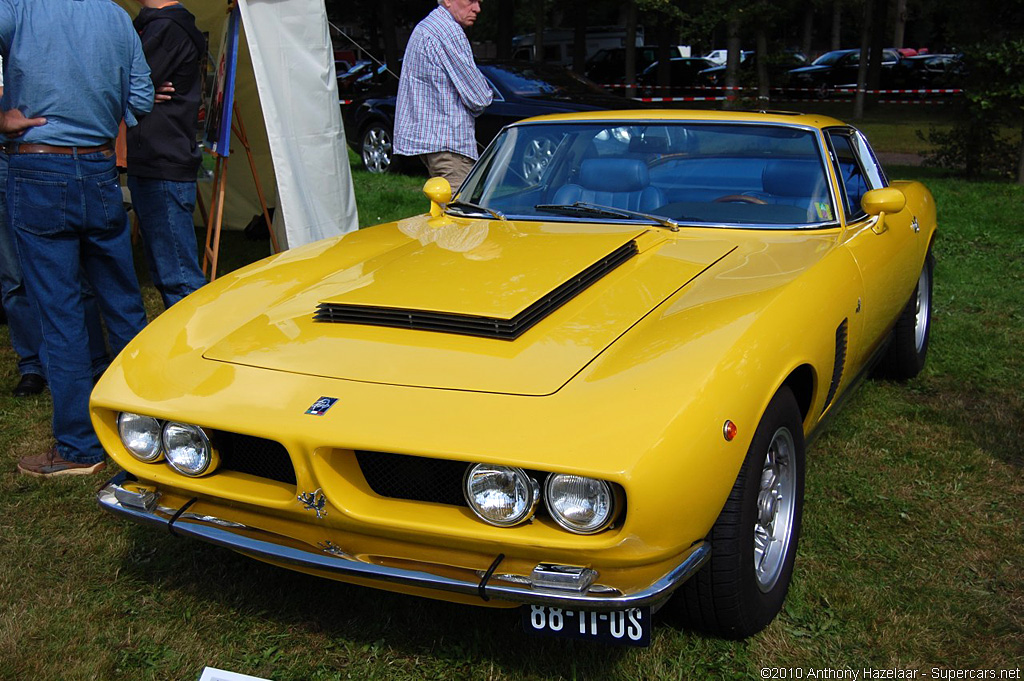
column 116, row 499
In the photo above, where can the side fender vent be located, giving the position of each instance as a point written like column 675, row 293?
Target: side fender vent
column 839, row 364
column 472, row 325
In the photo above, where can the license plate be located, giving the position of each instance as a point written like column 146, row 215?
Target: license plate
column 631, row 627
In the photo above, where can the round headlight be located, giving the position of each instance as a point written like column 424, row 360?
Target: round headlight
column 140, row 435
column 581, row 505
column 188, row 449
column 501, row 495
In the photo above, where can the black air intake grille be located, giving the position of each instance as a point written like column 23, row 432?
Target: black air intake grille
column 253, row 455
column 470, row 325
column 415, row 478
column 839, row 364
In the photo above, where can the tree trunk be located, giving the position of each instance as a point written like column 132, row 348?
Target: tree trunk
column 631, row 48
column 386, row 13
column 862, row 68
column 878, row 39
column 538, row 30
column 732, row 61
column 579, row 36
column 808, row 31
column 837, row 24
column 1020, row 165
column 666, row 50
column 506, row 28
column 901, row 23
column 761, row 55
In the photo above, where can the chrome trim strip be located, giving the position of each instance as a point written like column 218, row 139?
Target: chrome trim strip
column 262, row 544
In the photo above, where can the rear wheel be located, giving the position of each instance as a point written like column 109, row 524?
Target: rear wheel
column 753, row 543
column 908, row 343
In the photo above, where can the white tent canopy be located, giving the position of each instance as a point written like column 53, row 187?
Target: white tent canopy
column 286, row 92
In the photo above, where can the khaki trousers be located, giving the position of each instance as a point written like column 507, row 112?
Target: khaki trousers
column 449, row 165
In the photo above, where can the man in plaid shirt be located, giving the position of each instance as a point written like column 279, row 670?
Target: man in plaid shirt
column 440, row 93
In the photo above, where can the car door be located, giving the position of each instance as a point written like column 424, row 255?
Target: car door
column 883, row 247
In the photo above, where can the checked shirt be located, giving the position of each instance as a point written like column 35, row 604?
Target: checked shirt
column 441, row 90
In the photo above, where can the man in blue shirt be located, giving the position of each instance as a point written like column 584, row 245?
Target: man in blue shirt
column 441, row 92
column 73, row 69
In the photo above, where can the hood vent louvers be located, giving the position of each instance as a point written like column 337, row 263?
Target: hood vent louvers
column 472, row 325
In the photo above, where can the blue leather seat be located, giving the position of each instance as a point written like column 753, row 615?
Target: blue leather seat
column 615, row 182
column 795, row 183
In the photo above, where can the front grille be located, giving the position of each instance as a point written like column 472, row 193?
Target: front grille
column 253, row 455
column 472, row 325
column 415, row 478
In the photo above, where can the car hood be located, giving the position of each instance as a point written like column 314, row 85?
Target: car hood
column 480, row 305
column 809, row 70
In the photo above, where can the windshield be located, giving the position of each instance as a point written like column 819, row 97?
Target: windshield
column 769, row 176
column 829, row 58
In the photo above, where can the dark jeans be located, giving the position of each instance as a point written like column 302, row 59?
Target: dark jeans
column 165, row 221
column 22, row 318
column 67, row 217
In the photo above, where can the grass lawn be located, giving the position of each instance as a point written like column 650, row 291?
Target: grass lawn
column 912, row 554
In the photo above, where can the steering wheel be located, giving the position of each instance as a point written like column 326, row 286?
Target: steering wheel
column 740, row 198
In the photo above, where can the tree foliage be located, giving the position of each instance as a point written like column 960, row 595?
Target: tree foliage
column 988, row 136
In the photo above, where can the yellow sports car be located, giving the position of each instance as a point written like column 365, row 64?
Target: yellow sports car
column 583, row 385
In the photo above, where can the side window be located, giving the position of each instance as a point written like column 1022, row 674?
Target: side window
column 855, row 177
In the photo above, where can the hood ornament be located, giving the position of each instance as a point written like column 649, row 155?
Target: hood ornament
column 314, row 501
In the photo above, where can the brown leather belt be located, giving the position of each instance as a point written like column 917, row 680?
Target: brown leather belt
column 22, row 148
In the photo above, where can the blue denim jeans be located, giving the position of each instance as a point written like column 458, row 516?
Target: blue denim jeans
column 67, row 217
column 168, row 234
column 22, row 318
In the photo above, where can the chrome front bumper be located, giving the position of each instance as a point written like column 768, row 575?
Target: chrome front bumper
column 333, row 560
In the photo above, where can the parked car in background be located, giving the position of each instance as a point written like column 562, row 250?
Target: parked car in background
column 347, row 80
column 608, row 66
column 931, row 71
column 684, row 78
column 585, row 392
column 839, row 69
column 779, row 66
column 521, row 89
column 717, row 56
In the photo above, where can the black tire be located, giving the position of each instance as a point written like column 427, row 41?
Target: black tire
column 731, row 596
column 905, row 356
column 376, row 149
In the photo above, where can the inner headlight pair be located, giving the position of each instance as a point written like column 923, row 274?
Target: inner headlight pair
column 507, row 496
column 186, row 447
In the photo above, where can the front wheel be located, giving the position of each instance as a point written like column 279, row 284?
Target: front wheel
column 376, row 149
column 753, row 543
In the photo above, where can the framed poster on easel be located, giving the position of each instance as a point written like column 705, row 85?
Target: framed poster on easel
column 220, row 98
column 220, row 110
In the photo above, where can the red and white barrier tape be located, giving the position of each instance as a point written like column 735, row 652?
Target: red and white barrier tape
column 680, row 99
column 843, row 90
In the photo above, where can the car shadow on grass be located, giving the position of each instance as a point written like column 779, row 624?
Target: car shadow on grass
column 203, row 578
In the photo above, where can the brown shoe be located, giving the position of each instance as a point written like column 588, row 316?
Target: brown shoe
column 51, row 463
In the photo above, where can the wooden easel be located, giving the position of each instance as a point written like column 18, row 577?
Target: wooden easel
column 215, row 216
column 221, row 149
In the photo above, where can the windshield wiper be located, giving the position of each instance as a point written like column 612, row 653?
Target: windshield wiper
column 581, row 208
column 460, row 205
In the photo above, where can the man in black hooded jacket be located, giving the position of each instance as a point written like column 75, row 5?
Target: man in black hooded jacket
column 163, row 155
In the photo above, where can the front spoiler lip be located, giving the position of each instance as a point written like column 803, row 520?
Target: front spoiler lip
column 267, row 545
